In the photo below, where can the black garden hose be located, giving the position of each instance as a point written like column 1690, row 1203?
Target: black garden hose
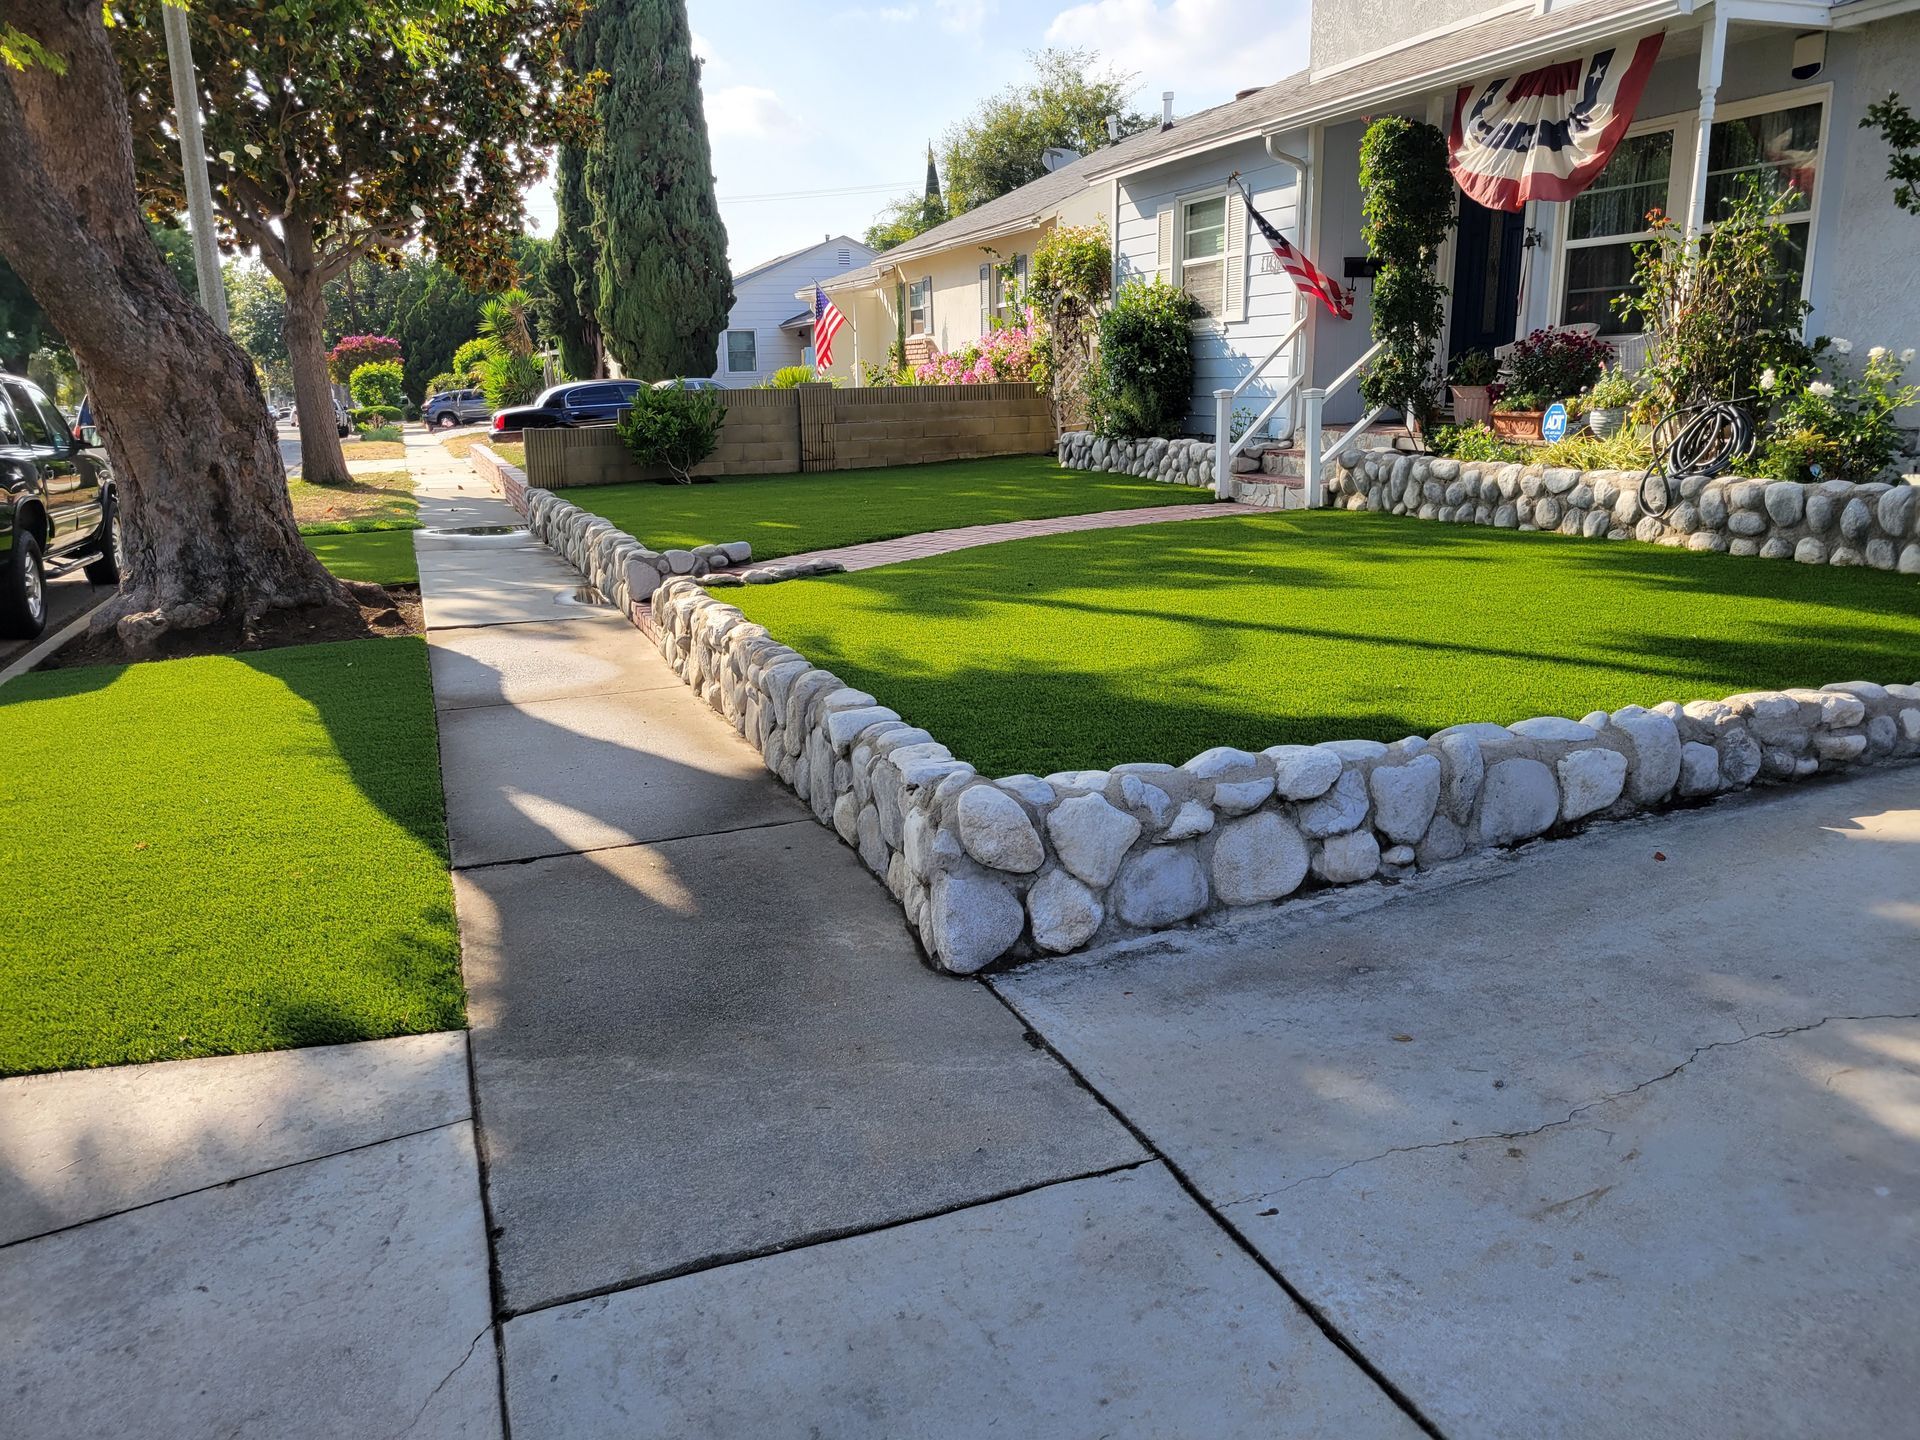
column 1706, row 440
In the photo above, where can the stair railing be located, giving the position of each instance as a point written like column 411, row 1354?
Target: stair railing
column 1313, row 403
column 1224, row 446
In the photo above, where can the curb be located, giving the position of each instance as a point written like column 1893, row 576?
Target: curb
column 49, row 645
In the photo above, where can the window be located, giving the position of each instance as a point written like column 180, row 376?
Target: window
column 1001, row 295
column 583, row 395
column 1203, row 252
column 32, row 419
column 1605, row 223
column 920, row 306
column 741, row 355
column 1781, row 149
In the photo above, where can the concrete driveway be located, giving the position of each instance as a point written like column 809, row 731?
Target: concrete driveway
column 1620, row 1137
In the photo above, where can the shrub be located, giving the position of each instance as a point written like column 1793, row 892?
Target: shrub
column 1628, row 449
column 1408, row 209
column 1005, row 355
column 1556, row 363
column 376, row 414
column 353, row 351
column 380, row 432
column 1143, row 378
column 1840, row 428
column 467, row 361
column 378, row 382
column 1475, row 367
column 790, row 377
column 674, row 428
column 442, row 383
column 1070, row 278
column 1475, row 442
column 1720, row 308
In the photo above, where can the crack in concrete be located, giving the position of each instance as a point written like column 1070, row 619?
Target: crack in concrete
column 1571, row 1115
column 460, row 1365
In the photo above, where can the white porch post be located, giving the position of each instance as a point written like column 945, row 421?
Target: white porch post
column 1222, row 445
column 1313, row 402
column 1713, row 55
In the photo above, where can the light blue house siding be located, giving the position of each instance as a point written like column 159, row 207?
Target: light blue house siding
column 1224, row 351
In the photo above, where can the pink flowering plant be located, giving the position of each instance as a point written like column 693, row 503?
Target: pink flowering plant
column 1014, row 353
column 353, row 351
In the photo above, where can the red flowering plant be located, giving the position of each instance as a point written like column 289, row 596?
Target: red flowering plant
column 1555, row 364
column 353, row 351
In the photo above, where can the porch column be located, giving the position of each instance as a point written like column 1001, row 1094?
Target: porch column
column 1713, row 54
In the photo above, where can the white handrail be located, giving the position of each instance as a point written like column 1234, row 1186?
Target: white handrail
column 1341, row 444
column 1246, row 435
column 1272, row 355
column 1355, row 368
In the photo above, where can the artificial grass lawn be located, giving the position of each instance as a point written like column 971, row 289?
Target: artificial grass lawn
column 789, row 514
column 225, row 854
column 1154, row 642
column 384, row 557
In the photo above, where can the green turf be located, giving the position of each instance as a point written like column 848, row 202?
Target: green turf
column 384, row 557
column 788, row 514
column 218, row 855
column 1155, row 642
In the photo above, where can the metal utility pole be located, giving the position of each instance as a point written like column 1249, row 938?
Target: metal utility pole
column 193, row 160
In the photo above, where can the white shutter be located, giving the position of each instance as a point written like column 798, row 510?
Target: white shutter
column 986, row 298
column 1233, row 295
column 1166, row 265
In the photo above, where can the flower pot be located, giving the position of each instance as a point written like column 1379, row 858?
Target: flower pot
column 1523, row 425
column 1471, row 403
column 1605, row 420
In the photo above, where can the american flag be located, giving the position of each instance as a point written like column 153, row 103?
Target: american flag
column 827, row 323
column 1306, row 275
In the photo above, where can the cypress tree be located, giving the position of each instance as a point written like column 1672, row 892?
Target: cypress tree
column 663, row 287
column 570, row 281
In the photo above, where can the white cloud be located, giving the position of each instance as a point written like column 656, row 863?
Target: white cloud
column 1202, row 50
column 750, row 112
column 964, row 17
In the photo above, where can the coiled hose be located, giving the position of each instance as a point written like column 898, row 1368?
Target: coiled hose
column 1701, row 440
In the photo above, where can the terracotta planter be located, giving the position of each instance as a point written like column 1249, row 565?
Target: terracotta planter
column 1523, row 425
column 1471, row 403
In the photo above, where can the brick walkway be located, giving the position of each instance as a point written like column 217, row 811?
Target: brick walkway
column 940, row 542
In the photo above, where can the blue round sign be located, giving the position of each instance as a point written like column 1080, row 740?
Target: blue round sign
column 1553, row 424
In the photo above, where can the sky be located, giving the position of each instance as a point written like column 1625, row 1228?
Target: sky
column 820, row 111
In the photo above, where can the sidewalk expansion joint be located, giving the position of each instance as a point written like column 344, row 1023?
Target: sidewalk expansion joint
column 1313, row 1312
column 233, row 1180
column 813, row 1238
column 634, row 844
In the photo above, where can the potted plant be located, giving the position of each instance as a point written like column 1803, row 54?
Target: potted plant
column 1608, row 401
column 1471, row 381
column 1516, row 415
column 1556, row 364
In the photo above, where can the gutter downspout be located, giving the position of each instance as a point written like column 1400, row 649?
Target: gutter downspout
column 1309, row 220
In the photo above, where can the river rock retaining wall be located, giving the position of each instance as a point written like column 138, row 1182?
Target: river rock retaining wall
column 1174, row 462
column 987, row 869
column 1834, row 522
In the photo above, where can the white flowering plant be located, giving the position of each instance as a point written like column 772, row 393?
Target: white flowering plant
column 1840, row 427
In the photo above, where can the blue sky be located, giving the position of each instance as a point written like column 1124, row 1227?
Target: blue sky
column 824, row 96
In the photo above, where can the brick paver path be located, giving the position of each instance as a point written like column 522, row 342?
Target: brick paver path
column 939, row 542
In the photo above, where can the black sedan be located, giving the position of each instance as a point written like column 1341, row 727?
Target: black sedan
column 586, row 402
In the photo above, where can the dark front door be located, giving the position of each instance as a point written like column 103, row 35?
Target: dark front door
column 1486, row 278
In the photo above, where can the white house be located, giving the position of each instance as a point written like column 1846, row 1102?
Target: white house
column 764, row 330
column 1770, row 87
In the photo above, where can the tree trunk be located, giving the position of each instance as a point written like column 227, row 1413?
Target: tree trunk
column 321, row 460
column 201, row 491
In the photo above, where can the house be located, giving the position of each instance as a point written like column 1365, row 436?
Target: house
column 764, row 333
column 1775, row 88
column 945, row 287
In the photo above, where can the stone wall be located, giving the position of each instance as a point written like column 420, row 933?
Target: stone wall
column 818, row 427
column 1831, row 523
column 1176, row 462
column 1021, row 865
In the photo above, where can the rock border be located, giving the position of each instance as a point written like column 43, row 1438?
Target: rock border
column 994, row 869
column 1834, row 522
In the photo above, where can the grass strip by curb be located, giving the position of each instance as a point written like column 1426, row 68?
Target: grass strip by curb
column 224, row 854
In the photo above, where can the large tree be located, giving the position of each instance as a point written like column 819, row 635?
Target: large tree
column 342, row 129
column 1064, row 105
column 663, row 287
column 571, row 279
column 202, row 494
column 910, row 215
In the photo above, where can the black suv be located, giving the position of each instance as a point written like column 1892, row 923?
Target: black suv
column 56, row 506
column 586, row 402
column 455, row 407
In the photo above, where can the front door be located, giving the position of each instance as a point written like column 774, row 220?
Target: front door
column 1486, row 278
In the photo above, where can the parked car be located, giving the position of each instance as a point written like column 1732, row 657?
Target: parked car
column 584, row 402
column 455, row 407
column 342, row 421
column 689, row 383
column 56, row 505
